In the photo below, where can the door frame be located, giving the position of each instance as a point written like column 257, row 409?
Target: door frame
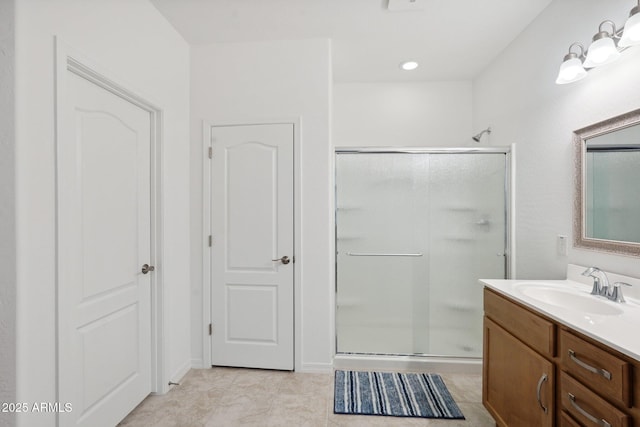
column 206, row 231
column 67, row 59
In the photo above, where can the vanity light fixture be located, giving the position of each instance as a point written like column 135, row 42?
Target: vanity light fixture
column 604, row 49
column 631, row 33
column 572, row 69
column 409, row 65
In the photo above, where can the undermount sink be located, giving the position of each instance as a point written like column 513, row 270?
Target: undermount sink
column 569, row 298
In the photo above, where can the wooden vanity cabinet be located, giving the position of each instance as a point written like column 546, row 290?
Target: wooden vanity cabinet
column 518, row 383
column 587, row 383
column 518, row 375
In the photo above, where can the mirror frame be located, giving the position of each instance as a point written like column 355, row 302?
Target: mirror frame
column 580, row 137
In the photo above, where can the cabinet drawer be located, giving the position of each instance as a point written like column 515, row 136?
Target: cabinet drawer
column 537, row 332
column 567, row 421
column 597, row 368
column 587, row 407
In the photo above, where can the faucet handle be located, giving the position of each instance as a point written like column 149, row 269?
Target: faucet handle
column 597, row 288
column 616, row 293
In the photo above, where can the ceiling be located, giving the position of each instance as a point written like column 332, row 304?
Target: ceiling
column 450, row 39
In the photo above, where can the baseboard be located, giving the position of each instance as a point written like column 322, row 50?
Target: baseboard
column 198, row 364
column 442, row 365
column 179, row 373
column 316, row 367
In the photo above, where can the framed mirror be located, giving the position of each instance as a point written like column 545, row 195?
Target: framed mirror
column 607, row 197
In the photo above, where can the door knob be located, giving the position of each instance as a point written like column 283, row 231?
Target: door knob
column 147, row 268
column 285, row 260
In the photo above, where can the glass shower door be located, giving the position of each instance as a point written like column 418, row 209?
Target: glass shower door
column 381, row 250
column 467, row 242
column 414, row 232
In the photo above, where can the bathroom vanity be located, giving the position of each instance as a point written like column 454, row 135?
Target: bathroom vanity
column 546, row 364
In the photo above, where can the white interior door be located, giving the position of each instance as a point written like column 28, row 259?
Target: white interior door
column 252, row 252
column 104, row 237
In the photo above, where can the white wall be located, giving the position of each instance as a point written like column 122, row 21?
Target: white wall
column 518, row 96
column 132, row 40
column 248, row 82
column 424, row 114
column 7, row 211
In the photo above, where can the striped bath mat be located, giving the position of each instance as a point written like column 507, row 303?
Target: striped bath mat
column 393, row 394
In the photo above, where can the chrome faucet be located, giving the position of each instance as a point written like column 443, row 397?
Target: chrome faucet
column 600, row 281
column 601, row 285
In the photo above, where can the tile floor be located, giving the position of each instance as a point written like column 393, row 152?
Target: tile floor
column 251, row 397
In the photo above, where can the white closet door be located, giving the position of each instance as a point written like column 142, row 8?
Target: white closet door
column 103, row 191
column 252, row 253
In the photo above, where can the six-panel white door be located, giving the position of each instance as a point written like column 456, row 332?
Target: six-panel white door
column 252, row 228
column 104, row 232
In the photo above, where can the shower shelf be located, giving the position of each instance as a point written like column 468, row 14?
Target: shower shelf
column 344, row 303
column 460, row 239
column 461, row 307
column 460, row 208
column 384, row 254
column 349, row 237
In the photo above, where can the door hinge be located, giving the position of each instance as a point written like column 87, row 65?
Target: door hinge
column 210, row 240
column 211, row 152
column 210, row 329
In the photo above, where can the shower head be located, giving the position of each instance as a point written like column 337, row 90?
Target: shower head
column 477, row 137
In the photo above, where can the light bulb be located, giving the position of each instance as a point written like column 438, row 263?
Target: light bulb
column 571, row 70
column 631, row 34
column 602, row 51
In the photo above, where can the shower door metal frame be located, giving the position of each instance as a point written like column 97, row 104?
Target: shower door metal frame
column 509, row 234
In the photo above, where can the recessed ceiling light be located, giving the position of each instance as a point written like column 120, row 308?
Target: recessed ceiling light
column 409, row 65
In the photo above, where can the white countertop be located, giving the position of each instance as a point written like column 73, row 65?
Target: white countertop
column 619, row 331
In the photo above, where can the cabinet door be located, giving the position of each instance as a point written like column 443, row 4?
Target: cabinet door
column 518, row 383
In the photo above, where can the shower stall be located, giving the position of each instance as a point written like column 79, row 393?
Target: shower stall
column 415, row 230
